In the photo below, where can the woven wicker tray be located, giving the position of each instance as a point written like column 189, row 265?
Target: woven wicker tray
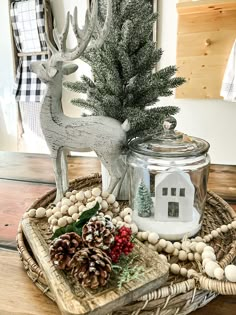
column 178, row 295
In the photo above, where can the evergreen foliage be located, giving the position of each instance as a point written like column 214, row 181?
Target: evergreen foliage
column 124, row 85
column 143, row 202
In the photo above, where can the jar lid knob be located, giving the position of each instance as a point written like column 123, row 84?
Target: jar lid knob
column 169, row 123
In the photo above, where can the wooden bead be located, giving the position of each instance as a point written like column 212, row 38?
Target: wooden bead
column 73, row 198
column 98, row 199
column 209, row 254
column 163, row 257
column 87, row 194
column 116, row 210
column 134, row 228
column 80, row 196
column 209, row 248
column 183, row 272
column 162, row 243
column 74, row 192
column 207, row 238
column 96, row 191
column 200, row 247
column 68, row 194
column 193, row 246
column 75, row 216
column 54, row 221
column 58, row 215
column 105, row 194
column 219, row 273
column 145, row 235
column 175, row 252
column 128, row 219
column 186, row 245
column 111, row 199
column 119, row 219
column 169, row 248
column 210, row 268
column 114, row 221
column 66, row 202
column 190, row 256
column 62, row 222
column 214, row 233
column 139, row 236
column 205, row 261
column 116, row 205
column 224, row 228
column 197, row 257
column 69, row 220
column 54, row 228
column 72, row 210
column 218, row 230
column 182, row 255
column 104, row 204
column 32, row 213
column 59, row 204
column 40, row 212
column 229, row 226
column 81, row 208
column 177, row 245
column 153, row 238
column 233, row 224
column 64, row 209
column 230, row 273
column 175, row 269
column 198, row 239
column 127, row 211
column 109, row 213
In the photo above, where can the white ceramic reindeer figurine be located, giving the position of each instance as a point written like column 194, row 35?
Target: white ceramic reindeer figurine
column 106, row 136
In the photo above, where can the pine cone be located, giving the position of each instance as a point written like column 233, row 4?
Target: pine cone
column 63, row 249
column 98, row 232
column 91, row 267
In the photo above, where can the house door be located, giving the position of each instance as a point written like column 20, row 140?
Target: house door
column 173, row 209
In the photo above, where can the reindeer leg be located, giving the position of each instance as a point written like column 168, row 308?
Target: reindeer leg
column 56, row 160
column 110, row 164
column 64, row 168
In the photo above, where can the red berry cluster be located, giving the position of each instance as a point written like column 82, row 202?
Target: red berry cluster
column 122, row 244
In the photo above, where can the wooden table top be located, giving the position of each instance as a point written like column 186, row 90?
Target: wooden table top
column 25, row 177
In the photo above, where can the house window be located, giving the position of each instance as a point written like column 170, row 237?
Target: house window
column 164, row 191
column 182, row 192
column 173, row 209
column 173, row 191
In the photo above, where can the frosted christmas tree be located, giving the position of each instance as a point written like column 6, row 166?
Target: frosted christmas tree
column 124, row 84
column 143, row 201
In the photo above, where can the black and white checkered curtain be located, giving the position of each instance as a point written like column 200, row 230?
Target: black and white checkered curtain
column 28, row 25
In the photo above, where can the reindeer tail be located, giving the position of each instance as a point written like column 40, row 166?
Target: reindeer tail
column 126, row 125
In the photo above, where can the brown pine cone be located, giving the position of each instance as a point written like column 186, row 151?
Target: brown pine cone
column 63, row 249
column 91, row 267
column 99, row 232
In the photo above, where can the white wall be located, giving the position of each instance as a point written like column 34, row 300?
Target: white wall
column 213, row 120
column 8, row 117
column 59, row 8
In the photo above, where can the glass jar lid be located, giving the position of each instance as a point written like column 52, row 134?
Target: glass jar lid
column 169, row 143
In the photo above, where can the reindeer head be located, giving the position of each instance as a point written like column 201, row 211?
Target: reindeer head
column 48, row 70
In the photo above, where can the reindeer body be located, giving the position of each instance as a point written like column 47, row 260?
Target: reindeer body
column 106, row 136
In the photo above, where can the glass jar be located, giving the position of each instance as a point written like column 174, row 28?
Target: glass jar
column 168, row 176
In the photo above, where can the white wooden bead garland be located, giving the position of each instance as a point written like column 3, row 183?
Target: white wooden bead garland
column 69, row 209
column 71, row 206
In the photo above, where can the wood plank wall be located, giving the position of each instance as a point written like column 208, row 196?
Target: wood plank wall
column 206, row 33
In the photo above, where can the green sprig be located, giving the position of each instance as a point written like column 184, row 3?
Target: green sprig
column 77, row 226
column 127, row 270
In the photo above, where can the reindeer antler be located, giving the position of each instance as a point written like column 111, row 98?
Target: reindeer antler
column 83, row 35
